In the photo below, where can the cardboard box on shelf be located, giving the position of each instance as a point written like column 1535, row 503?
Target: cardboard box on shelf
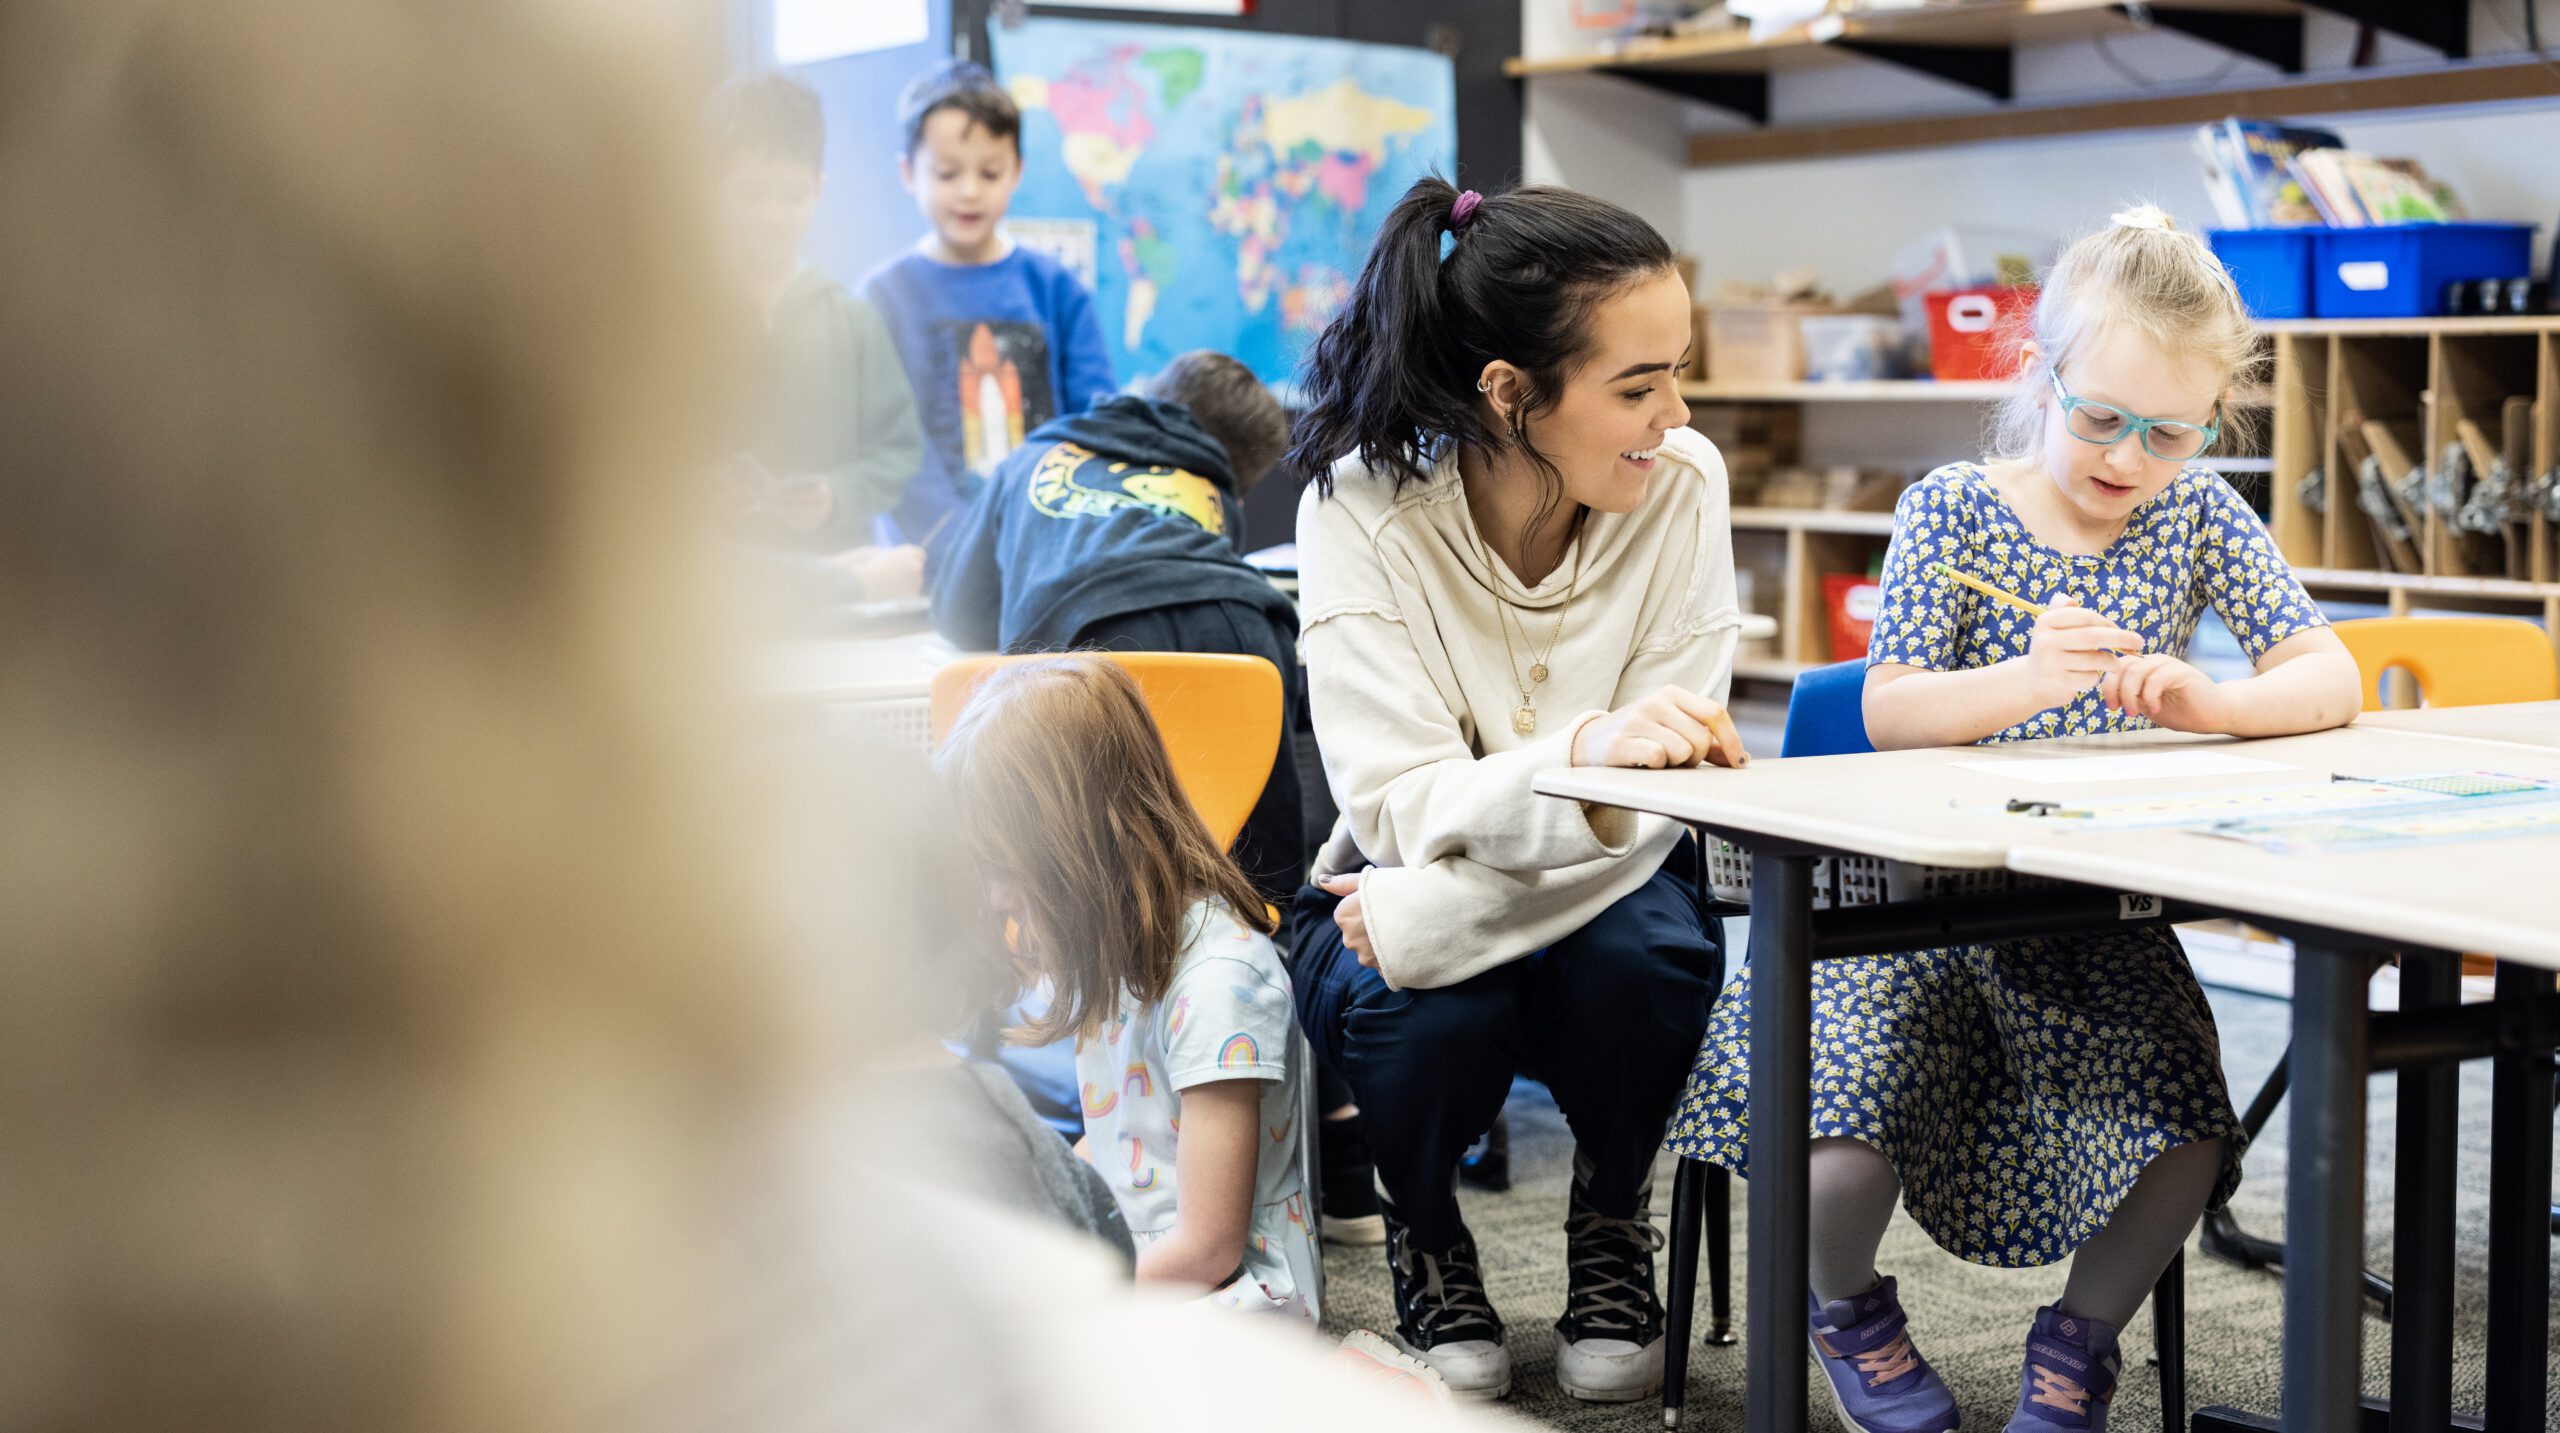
column 1758, row 342
column 1835, row 489
column 1774, row 427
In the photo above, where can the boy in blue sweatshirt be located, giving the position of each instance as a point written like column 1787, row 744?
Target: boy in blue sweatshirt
column 828, row 440
column 1119, row 528
column 997, row 339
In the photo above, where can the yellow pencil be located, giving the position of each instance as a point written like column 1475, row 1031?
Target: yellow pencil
column 2000, row 595
column 1987, row 590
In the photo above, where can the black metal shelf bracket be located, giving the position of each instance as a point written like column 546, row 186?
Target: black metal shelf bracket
column 2442, row 26
column 1989, row 69
column 1743, row 94
column 2275, row 39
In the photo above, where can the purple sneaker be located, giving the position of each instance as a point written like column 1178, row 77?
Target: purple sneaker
column 2070, row 1377
column 1878, row 1381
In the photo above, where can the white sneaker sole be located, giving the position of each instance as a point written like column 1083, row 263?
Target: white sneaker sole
column 1612, row 1395
column 1617, row 1393
column 1360, row 1231
column 1480, row 1394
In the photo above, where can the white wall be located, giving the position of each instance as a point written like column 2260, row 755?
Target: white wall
column 1606, row 137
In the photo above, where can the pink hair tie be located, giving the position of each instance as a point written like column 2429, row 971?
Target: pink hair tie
column 1464, row 210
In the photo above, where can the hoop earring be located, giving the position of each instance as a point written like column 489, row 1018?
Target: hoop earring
column 1484, row 385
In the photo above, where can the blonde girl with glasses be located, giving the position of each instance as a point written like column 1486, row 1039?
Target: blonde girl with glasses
column 2039, row 1100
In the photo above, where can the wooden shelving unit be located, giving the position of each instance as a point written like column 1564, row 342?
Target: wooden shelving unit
column 1876, row 524
column 2420, row 378
column 1893, row 390
column 1890, row 390
column 1847, row 39
column 1973, row 45
column 2428, row 389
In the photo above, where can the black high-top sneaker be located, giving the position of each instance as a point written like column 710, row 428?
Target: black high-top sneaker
column 1443, row 1316
column 1612, row 1325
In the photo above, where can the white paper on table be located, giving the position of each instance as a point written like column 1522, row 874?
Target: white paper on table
column 2135, row 766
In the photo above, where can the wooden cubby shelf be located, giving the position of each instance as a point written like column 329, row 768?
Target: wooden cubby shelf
column 2425, row 393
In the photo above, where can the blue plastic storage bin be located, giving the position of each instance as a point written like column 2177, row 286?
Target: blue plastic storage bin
column 2400, row 270
column 2271, row 267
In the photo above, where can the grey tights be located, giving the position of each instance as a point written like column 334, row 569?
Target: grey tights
column 1853, row 1192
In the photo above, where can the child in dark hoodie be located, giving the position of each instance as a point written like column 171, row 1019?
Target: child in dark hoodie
column 1118, row 528
column 830, row 439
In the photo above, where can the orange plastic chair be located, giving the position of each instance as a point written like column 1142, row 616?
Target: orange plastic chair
column 1219, row 713
column 2456, row 661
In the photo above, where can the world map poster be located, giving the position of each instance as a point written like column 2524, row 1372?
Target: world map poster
column 1219, row 188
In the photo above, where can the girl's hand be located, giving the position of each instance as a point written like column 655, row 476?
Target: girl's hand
column 1349, row 915
column 1672, row 727
column 2073, row 649
column 2169, row 692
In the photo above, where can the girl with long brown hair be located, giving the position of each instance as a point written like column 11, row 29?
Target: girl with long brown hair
column 1159, row 956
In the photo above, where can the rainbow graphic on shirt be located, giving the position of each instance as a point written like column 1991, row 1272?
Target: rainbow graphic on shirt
column 1297, row 1211
column 1098, row 1103
column 1280, row 1131
column 1239, row 1052
column 1181, row 1008
column 1138, row 1076
column 1137, row 1156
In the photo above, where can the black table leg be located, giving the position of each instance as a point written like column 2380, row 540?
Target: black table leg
column 2519, row 1220
column 2324, row 1192
column 1720, row 1256
column 1688, row 1194
column 2422, row 1215
column 1781, row 1110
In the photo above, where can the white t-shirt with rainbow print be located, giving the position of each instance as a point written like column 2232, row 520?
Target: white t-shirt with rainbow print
column 1226, row 1016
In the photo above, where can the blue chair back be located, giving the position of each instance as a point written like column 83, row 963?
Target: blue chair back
column 1824, row 714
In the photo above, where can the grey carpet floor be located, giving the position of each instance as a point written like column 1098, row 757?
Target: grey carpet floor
column 1971, row 1321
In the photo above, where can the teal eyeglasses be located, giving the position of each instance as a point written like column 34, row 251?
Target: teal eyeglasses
column 2107, row 425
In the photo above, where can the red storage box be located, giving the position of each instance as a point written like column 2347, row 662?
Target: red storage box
column 1974, row 333
column 1853, row 598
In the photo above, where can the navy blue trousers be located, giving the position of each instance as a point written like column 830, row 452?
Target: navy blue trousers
column 1608, row 1018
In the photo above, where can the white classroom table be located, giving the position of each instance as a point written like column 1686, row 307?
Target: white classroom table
column 2515, row 723
column 2498, row 897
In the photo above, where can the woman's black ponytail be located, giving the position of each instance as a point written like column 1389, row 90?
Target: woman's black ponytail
column 1393, row 377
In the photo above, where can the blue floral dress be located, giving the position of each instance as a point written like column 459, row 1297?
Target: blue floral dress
column 2020, row 1088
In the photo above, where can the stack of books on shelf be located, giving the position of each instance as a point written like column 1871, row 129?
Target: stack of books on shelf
column 2264, row 175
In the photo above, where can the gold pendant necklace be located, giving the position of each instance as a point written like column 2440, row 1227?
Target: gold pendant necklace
column 1524, row 718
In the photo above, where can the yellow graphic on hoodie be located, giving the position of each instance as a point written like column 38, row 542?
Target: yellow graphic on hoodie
column 1166, row 492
